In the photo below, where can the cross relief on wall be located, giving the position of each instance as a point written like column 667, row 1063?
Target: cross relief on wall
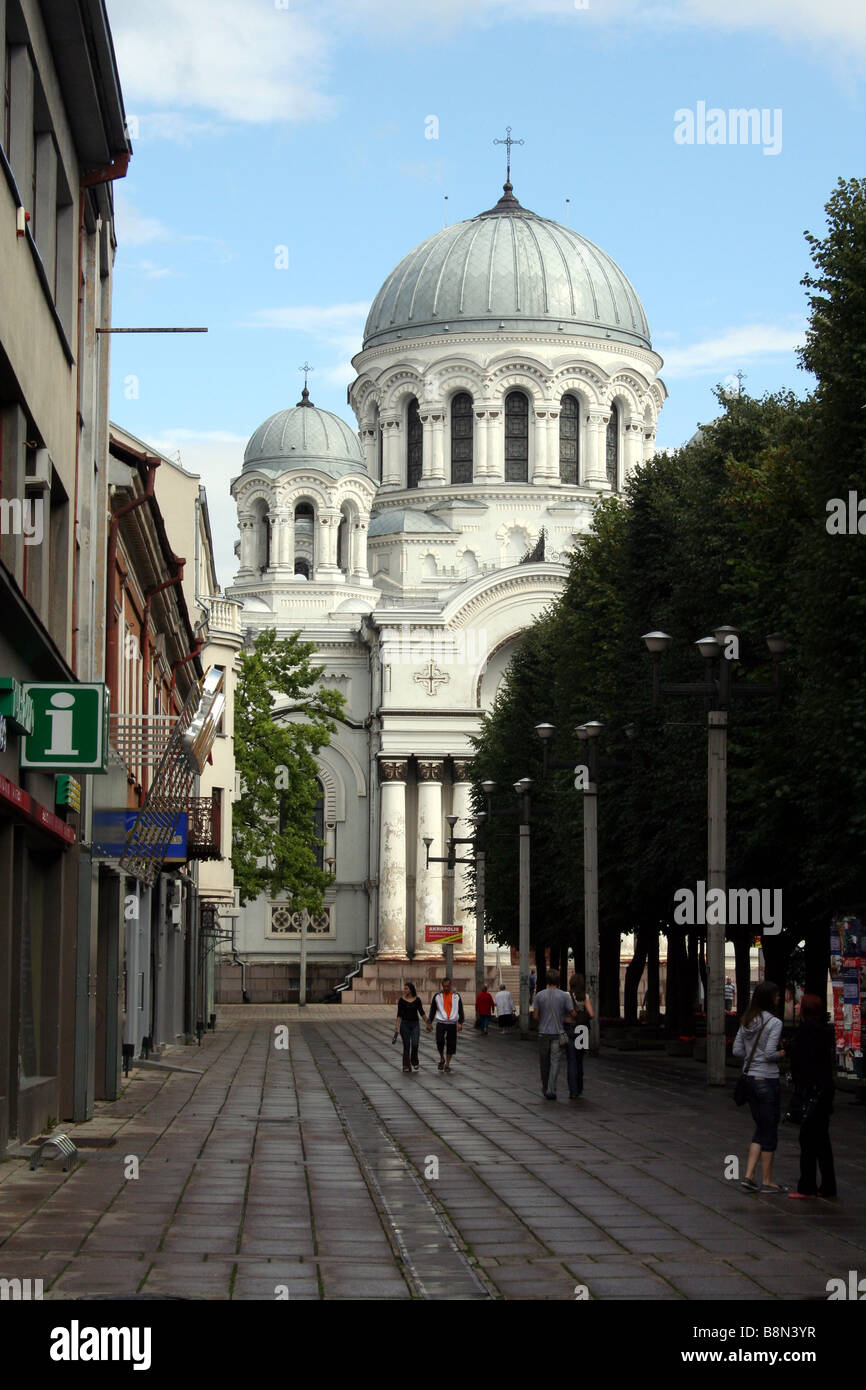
column 432, row 677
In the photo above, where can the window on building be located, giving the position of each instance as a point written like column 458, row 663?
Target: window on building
column 305, row 557
column 516, row 437
column 461, row 438
column 569, row 440
column 414, row 444
column 612, row 446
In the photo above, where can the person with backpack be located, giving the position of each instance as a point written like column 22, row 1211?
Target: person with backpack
column 583, row 1016
column 552, row 1006
column 813, row 1058
column 758, row 1041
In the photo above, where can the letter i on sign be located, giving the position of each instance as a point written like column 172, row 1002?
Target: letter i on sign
column 61, row 724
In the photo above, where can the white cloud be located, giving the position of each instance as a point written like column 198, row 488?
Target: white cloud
column 248, row 61
column 339, row 328
column 133, row 227
column 244, row 60
column 729, row 349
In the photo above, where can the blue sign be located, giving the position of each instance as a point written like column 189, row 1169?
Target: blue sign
column 111, row 828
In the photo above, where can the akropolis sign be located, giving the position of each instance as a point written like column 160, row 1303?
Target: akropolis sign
column 70, row 727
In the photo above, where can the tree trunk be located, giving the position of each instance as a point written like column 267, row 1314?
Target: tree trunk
column 634, row 972
column 652, row 971
column 608, row 985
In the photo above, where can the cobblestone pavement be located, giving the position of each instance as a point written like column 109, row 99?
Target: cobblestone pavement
column 321, row 1171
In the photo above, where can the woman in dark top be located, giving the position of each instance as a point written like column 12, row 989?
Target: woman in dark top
column 813, row 1057
column 410, row 1011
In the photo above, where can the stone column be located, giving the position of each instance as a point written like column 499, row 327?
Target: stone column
column 369, row 443
column 632, row 445
column 359, row 573
column 248, row 543
column 596, row 472
column 460, row 806
column 479, row 466
column 392, row 439
column 649, row 444
column 437, row 470
column 392, row 860
column 495, row 444
column 426, row 448
column 326, row 552
column 282, row 540
column 428, row 882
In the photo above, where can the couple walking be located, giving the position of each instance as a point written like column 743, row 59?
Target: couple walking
column 446, row 1011
column 559, row 1015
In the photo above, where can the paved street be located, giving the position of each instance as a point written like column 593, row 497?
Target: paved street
column 311, row 1172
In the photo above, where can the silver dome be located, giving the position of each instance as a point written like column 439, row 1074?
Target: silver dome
column 507, row 268
column 305, row 436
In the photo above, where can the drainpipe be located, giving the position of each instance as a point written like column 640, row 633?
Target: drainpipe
column 191, row 656
column 111, row 564
column 243, row 965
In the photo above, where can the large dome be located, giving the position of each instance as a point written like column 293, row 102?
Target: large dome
column 507, row 268
column 305, row 436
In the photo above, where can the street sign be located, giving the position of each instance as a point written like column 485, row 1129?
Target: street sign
column 70, row 725
column 442, row 935
column 111, row 830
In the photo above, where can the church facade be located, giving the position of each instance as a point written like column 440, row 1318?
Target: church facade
column 506, row 381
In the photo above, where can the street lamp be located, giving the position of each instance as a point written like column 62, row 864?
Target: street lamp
column 523, row 789
column 718, row 689
column 478, row 841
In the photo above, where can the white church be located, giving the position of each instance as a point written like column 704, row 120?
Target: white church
column 505, row 382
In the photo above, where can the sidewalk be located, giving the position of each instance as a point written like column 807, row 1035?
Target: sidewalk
column 321, row 1171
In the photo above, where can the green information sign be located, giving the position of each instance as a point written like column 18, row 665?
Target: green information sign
column 70, row 728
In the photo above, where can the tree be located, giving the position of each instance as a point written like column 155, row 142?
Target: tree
column 274, row 845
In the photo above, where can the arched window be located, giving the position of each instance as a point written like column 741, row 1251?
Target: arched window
column 461, row 438
column 414, row 444
column 569, row 440
column 612, row 445
column 304, row 539
column 516, row 437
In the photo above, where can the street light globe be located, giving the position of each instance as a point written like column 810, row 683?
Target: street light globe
column 545, row 731
column 709, row 648
column 488, row 788
column 721, row 633
column 656, row 642
column 452, row 820
column 523, row 786
column 581, row 732
column 427, row 841
column 593, row 728
column 777, row 643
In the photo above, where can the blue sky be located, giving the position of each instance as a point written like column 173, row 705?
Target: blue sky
column 260, row 125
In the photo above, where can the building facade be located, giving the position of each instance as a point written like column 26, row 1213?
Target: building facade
column 506, row 381
column 62, row 143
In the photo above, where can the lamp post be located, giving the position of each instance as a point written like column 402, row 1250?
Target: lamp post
column 479, row 843
column 588, row 735
column 718, row 689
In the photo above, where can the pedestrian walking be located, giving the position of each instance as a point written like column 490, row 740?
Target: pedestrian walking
column 446, row 1011
column 504, row 1007
column 758, row 1040
column 729, row 995
column 410, row 1011
column 532, row 983
column 813, row 1057
column 484, row 1007
column 584, row 1014
column 552, row 1007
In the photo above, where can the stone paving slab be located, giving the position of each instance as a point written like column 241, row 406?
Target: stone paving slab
column 323, row 1170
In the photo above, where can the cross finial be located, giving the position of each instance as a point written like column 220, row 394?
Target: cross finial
column 508, row 142
column 305, row 394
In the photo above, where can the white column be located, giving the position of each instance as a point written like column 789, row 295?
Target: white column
column 428, row 882
column 649, row 444
column 327, row 567
column 596, row 474
column 437, row 471
column 496, row 444
column 392, row 860
column 248, row 541
column 632, row 445
column 359, row 571
column 461, row 807
column 282, row 540
column 479, row 464
column 392, row 439
column 369, row 444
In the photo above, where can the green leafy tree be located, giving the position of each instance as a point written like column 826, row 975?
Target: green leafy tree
column 274, row 848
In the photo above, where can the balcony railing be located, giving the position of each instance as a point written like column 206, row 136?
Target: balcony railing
column 225, row 615
column 203, row 827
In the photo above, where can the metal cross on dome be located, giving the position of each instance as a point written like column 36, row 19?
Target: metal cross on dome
column 508, row 142
column 432, row 677
column 306, row 369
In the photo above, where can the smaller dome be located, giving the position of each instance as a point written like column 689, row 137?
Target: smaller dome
column 305, row 437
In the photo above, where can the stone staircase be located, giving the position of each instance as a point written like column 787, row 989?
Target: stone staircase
column 382, row 981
